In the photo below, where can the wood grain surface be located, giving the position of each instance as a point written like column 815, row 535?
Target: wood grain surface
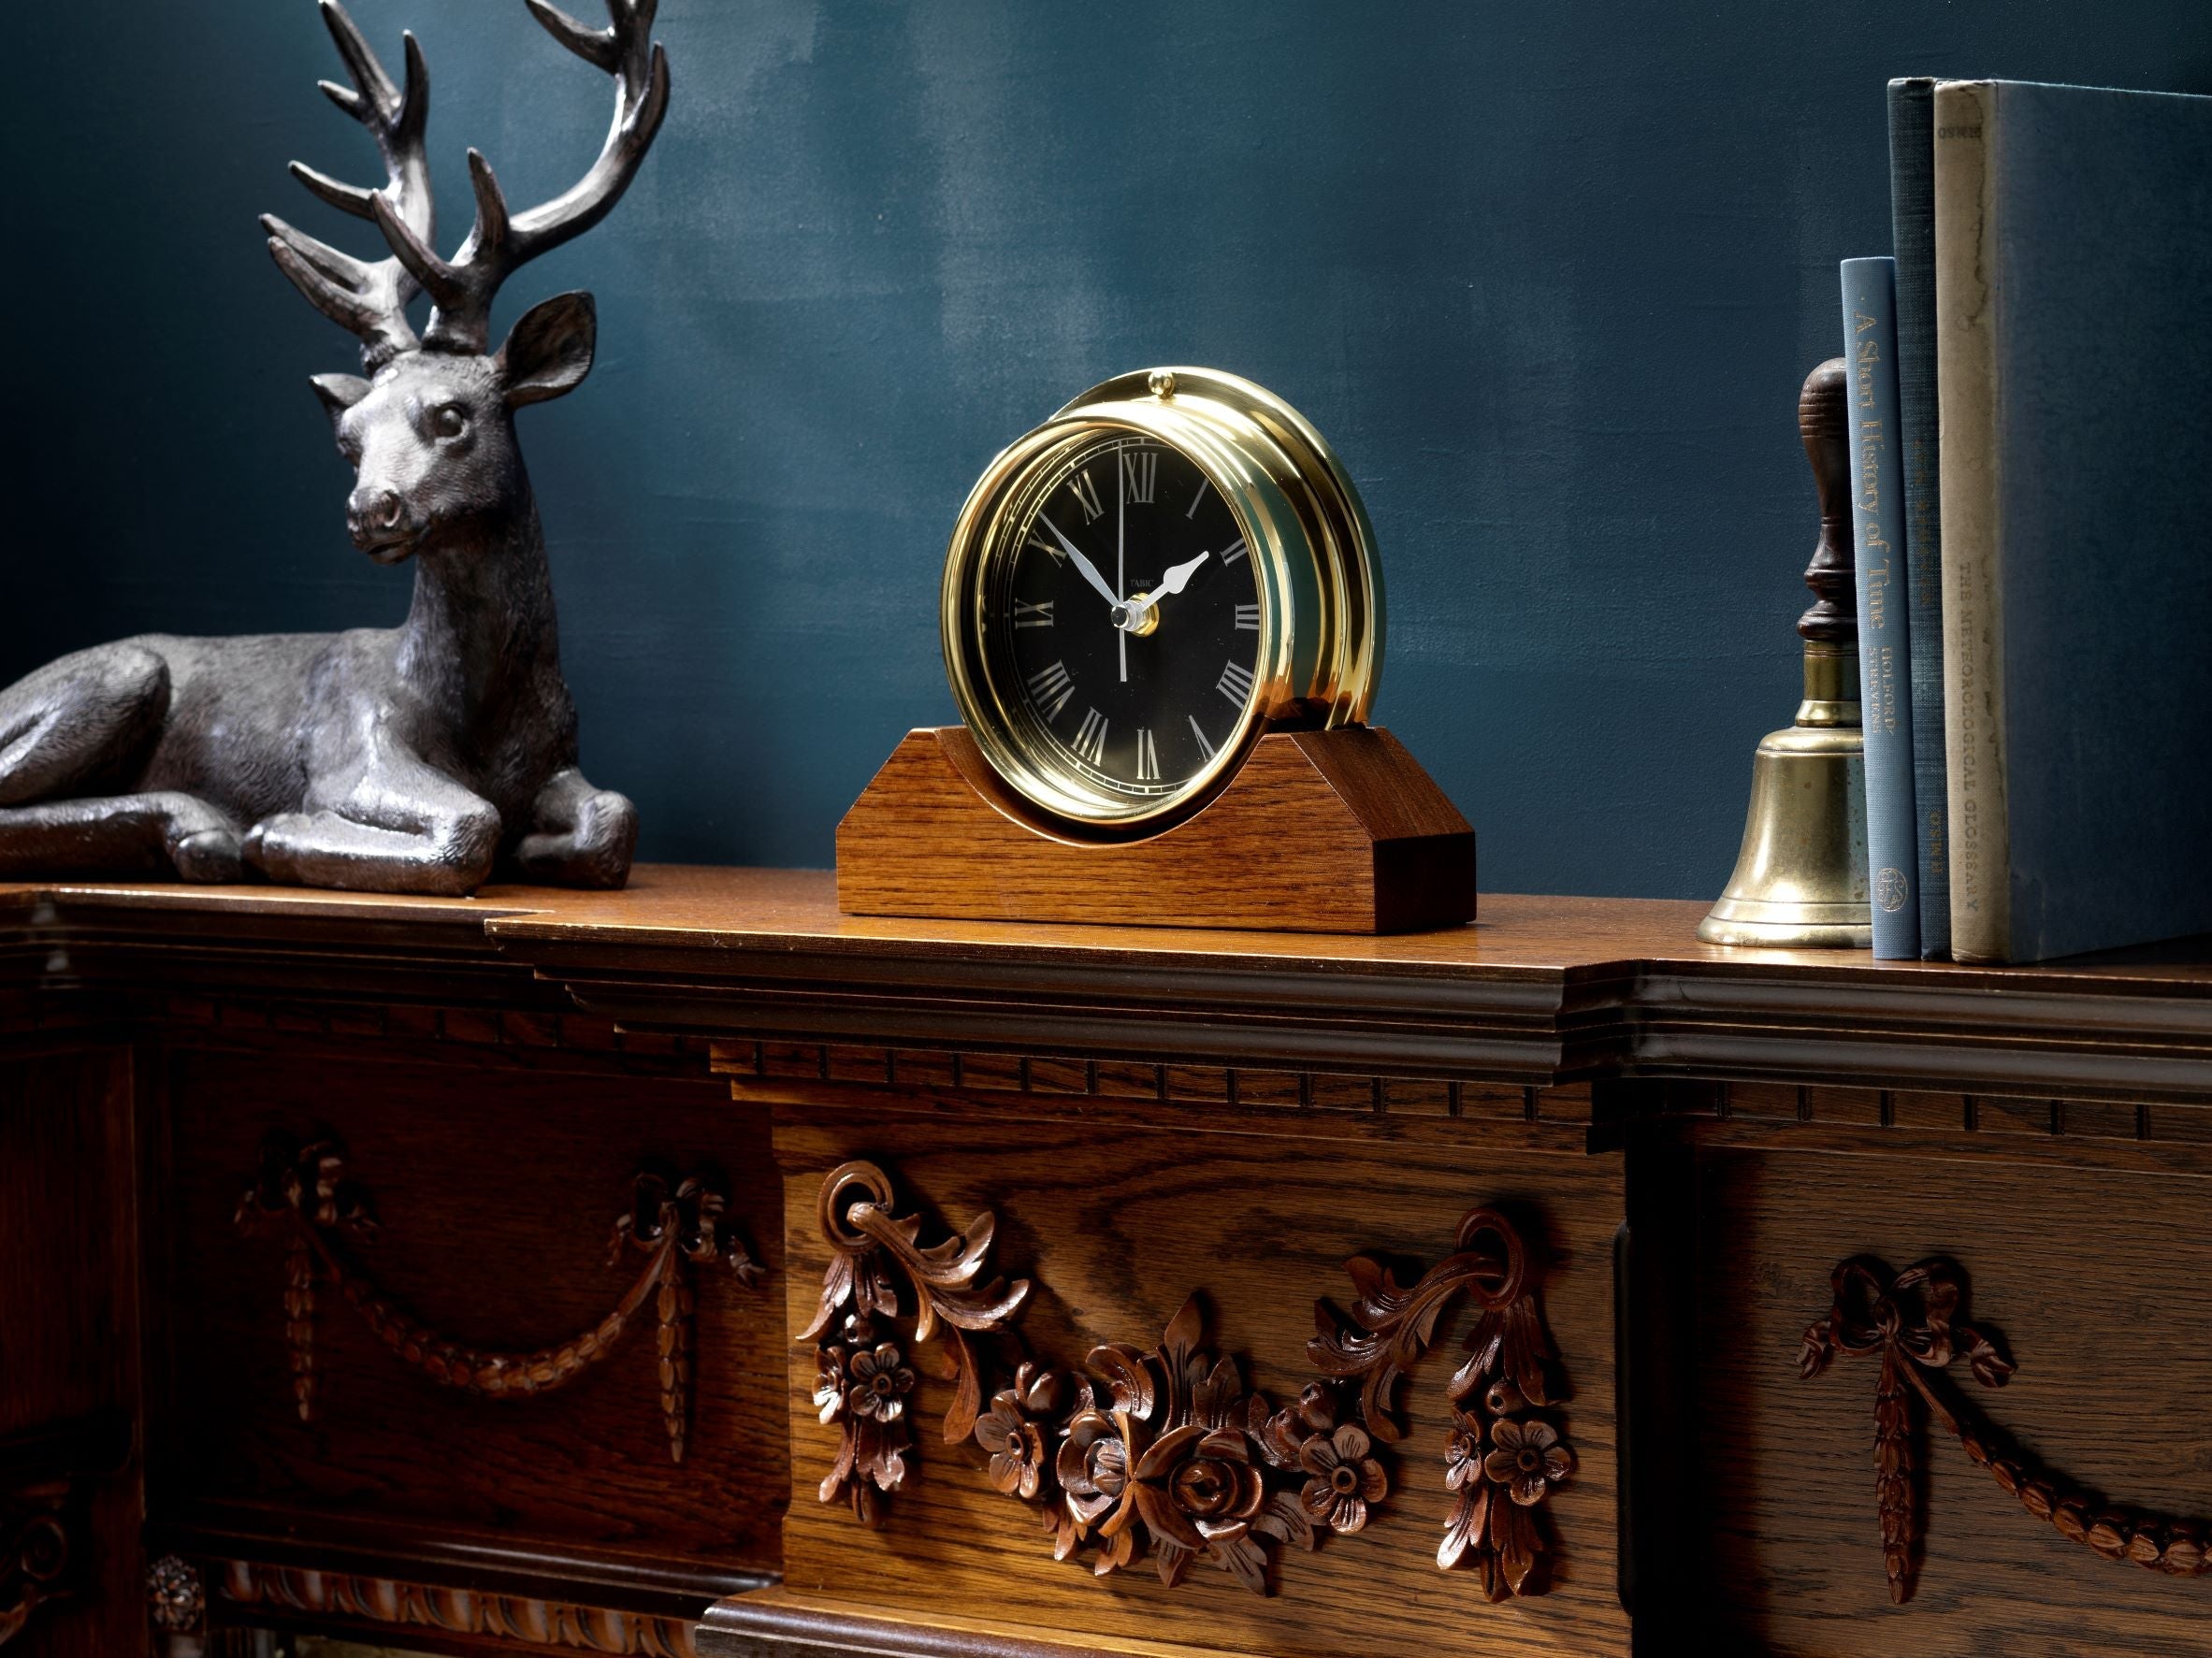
column 1320, row 831
column 1115, row 1229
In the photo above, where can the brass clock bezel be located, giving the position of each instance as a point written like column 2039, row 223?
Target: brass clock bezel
column 1311, row 553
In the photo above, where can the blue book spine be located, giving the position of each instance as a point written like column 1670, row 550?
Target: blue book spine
column 1911, row 228
column 1885, row 651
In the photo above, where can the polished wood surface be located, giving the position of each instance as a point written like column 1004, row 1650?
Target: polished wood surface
column 1320, row 831
column 1696, row 1137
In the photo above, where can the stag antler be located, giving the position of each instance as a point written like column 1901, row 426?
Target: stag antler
column 462, row 290
column 368, row 298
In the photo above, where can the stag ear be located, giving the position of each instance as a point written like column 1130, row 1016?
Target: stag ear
column 549, row 353
column 338, row 392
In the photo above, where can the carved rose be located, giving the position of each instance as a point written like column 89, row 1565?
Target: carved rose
column 1093, row 1465
column 878, row 1384
column 1527, row 1459
column 1345, row 1478
column 1193, row 1487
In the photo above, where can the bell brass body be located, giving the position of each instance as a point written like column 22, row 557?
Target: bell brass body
column 1800, row 877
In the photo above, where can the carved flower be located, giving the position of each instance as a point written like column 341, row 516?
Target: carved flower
column 1463, row 1450
column 1193, row 1487
column 1016, row 1448
column 1287, row 1431
column 878, row 1384
column 1345, row 1478
column 1093, row 1465
column 830, row 1382
column 1527, row 1458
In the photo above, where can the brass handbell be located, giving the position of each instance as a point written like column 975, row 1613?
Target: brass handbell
column 1800, row 877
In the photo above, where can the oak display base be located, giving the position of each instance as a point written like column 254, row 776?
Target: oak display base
column 1321, row 832
column 698, row 1271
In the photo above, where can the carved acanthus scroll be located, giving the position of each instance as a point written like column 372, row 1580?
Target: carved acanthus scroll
column 1910, row 1322
column 863, row 1378
column 1503, row 1455
column 304, row 1195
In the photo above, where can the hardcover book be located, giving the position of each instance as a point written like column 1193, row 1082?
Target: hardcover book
column 1911, row 228
column 1884, row 650
column 2074, row 322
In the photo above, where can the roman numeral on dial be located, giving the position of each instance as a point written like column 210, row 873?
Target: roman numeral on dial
column 1086, row 493
column 1198, row 731
column 1234, row 683
column 1042, row 546
column 1090, row 745
column 1050, row 688
column 1148, row 758
column 1247, row 618
column 1140, row 471
column 1204, row 485
column 1040, row 615
column 1234, row 551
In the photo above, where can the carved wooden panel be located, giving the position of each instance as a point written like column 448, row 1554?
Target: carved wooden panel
column 1206, row 1421
column 2106, row 1308
column 1909, row 1322
column 305, row 1197
column 1164, row 1453
column 493, row 1192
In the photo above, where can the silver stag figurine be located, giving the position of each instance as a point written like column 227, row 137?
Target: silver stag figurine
column 411, row 760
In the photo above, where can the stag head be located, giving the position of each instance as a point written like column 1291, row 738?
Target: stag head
column 429, row 424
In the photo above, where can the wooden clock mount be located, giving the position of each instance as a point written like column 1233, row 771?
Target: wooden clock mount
column 1318, row 832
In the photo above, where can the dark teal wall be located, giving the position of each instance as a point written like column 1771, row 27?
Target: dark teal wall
column 1548, row 275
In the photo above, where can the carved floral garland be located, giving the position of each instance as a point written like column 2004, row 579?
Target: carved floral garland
column 1165, row 1453
column 304, row 1194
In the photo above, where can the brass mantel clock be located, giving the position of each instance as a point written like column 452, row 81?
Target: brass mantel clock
column 1140, row 586
column 1163, row 622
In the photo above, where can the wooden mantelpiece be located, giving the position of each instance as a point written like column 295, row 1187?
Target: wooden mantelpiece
column 391, row 1403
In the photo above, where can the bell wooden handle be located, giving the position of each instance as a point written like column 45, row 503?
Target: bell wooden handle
column 1824, row 421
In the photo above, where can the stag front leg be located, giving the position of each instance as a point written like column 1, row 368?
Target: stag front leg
column 70, row 734
column 396, row 827
column 579, row 836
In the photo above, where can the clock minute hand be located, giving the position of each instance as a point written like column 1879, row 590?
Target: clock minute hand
column 1089, row 571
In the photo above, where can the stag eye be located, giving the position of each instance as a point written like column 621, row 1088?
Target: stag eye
column 450, row 421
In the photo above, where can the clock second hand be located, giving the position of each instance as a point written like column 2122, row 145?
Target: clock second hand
column 1120, row 562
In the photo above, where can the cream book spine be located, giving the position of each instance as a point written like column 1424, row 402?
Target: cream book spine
column 1966, row 295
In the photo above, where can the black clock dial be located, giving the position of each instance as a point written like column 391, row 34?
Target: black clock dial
column 1138, row 669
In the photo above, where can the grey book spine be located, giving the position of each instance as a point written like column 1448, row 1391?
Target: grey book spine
column 1911, row 230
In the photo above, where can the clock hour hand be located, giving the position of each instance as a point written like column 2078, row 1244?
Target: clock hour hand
column 1131, row 617
column 1089, row 571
